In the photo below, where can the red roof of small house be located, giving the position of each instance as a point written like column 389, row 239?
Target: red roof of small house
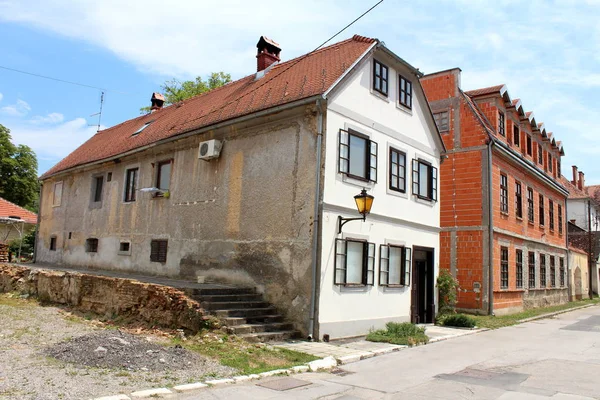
column 594, row 192
column 574, row 191
column 300, row 78
column 8, row 209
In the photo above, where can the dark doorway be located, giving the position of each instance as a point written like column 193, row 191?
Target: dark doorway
column 423, row 303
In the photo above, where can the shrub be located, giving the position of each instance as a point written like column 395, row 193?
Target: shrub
column 447, row 287
column 459, row 320
column 399, row 333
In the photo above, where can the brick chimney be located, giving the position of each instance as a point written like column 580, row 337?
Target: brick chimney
column 157, row 101
column 581, row 181
column 574, row 181
column 267, row 54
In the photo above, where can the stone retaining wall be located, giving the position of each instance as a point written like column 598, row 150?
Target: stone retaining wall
column 154, row 304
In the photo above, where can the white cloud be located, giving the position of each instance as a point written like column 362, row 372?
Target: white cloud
column 53, row 142
column 19, row 109
column 52, row 118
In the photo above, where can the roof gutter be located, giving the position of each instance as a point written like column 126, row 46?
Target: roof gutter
column 184, row 135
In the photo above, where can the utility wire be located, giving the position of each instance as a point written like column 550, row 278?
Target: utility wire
column 64, row 81
column 289, row 66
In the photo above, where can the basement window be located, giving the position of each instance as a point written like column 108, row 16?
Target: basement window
column 147, row 124
column 394, row 265
column 158, row 250
column 354, row 262
column 124, row 248
column 91, row 245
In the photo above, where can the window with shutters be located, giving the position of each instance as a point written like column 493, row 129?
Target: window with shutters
column 131, row 178
column 542, row 271
column 541, row 210
column 405, row 97
column 158, row 250
column 504, row 267
column 394, row 265
column 380, row 78
column 516, row 136
column 424, row 180
column 552, row 272
column 357, row 156
column 530, row 213
column 531, row 269
column 519, row 268
column 503, row 193
column 518, row 200
column 562, row 271
column 442, row 121
column 397, row 170
column 551, row 214
column 354, row 262
column 560, row 220
column 91, row 245
column 501, row 124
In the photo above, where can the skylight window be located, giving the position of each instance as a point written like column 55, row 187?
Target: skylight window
column 142, row 128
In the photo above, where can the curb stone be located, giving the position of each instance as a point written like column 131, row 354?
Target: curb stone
column 441, row 339
column 542, row 316
column 150, row 392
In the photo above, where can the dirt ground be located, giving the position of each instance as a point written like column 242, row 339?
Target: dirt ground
column 49, row 353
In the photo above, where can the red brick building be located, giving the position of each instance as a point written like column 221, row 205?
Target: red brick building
column 502, row 203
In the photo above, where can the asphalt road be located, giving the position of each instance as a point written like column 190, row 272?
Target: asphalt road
column 557, row 358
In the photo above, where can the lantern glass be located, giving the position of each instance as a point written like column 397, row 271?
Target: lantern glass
column 364, row 202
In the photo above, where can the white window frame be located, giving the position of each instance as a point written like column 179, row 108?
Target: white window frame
column 371, row 155
column 433, row 179
column 340, row 262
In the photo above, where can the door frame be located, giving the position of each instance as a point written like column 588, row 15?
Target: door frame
column 430, row 301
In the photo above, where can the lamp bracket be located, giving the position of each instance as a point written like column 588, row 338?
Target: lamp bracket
column 343, row 221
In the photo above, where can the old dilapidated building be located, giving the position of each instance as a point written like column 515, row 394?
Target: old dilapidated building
column 245, row 185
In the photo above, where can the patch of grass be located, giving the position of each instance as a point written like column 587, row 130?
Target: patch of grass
column 246, row 357
column 494, row 322
column 14, row 299
column 460, row 320
column 399, row 333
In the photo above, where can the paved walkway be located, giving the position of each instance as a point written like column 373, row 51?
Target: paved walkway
column 556, row 358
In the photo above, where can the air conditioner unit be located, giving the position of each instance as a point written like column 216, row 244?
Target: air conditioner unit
column 209, row 149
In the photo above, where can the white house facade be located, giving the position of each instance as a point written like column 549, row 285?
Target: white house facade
column 380, row 137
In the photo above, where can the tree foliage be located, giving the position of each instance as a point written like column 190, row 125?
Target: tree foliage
column 175, row 90
column 18, row 172
column 447, row 288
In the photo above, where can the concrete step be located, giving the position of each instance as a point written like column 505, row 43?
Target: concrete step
column 212, row 291
column 268, row 336
column 264, row 319
column 230, row 305
column 258, row 328
column 218, row 298
column 245, row 312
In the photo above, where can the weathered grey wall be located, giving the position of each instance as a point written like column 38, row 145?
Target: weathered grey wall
column 243, row 218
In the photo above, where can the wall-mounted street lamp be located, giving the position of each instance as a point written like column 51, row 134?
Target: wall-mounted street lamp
column 364, row 202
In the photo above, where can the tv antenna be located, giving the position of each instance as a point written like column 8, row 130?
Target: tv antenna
column 99, row 114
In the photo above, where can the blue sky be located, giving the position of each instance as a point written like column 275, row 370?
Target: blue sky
column 547, row 53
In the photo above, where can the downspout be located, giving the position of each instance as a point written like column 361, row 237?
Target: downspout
column 316, row 224
column 590, row 269
column 569, row 283
column 37, row 226
column 491, row 231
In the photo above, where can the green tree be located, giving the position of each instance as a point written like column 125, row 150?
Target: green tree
column 175, row 90
column 18, row 172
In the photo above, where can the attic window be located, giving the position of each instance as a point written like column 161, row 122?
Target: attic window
column 142, row 128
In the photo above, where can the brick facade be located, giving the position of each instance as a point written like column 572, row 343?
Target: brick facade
column 474, row 125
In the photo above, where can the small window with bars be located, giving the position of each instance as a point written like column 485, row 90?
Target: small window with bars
column 519, row 268
column 504, row 267
column 158, row 250
column 394, row 265
column 552, row 272
column 518, row 200
column 91, row 245
column 442, row 121
column 501, row 124
column 503, row 193
column 354, row 262
column 561, row 270
column 531, row 263
column 542, row 271
column 357, row 156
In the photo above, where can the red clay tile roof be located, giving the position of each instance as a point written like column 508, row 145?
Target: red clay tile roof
column 293, row 80
column 8, row 209
column 483, row 91
column 574, row 192
column 594, row 192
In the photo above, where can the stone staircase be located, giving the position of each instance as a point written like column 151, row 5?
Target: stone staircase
column 245, row 313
